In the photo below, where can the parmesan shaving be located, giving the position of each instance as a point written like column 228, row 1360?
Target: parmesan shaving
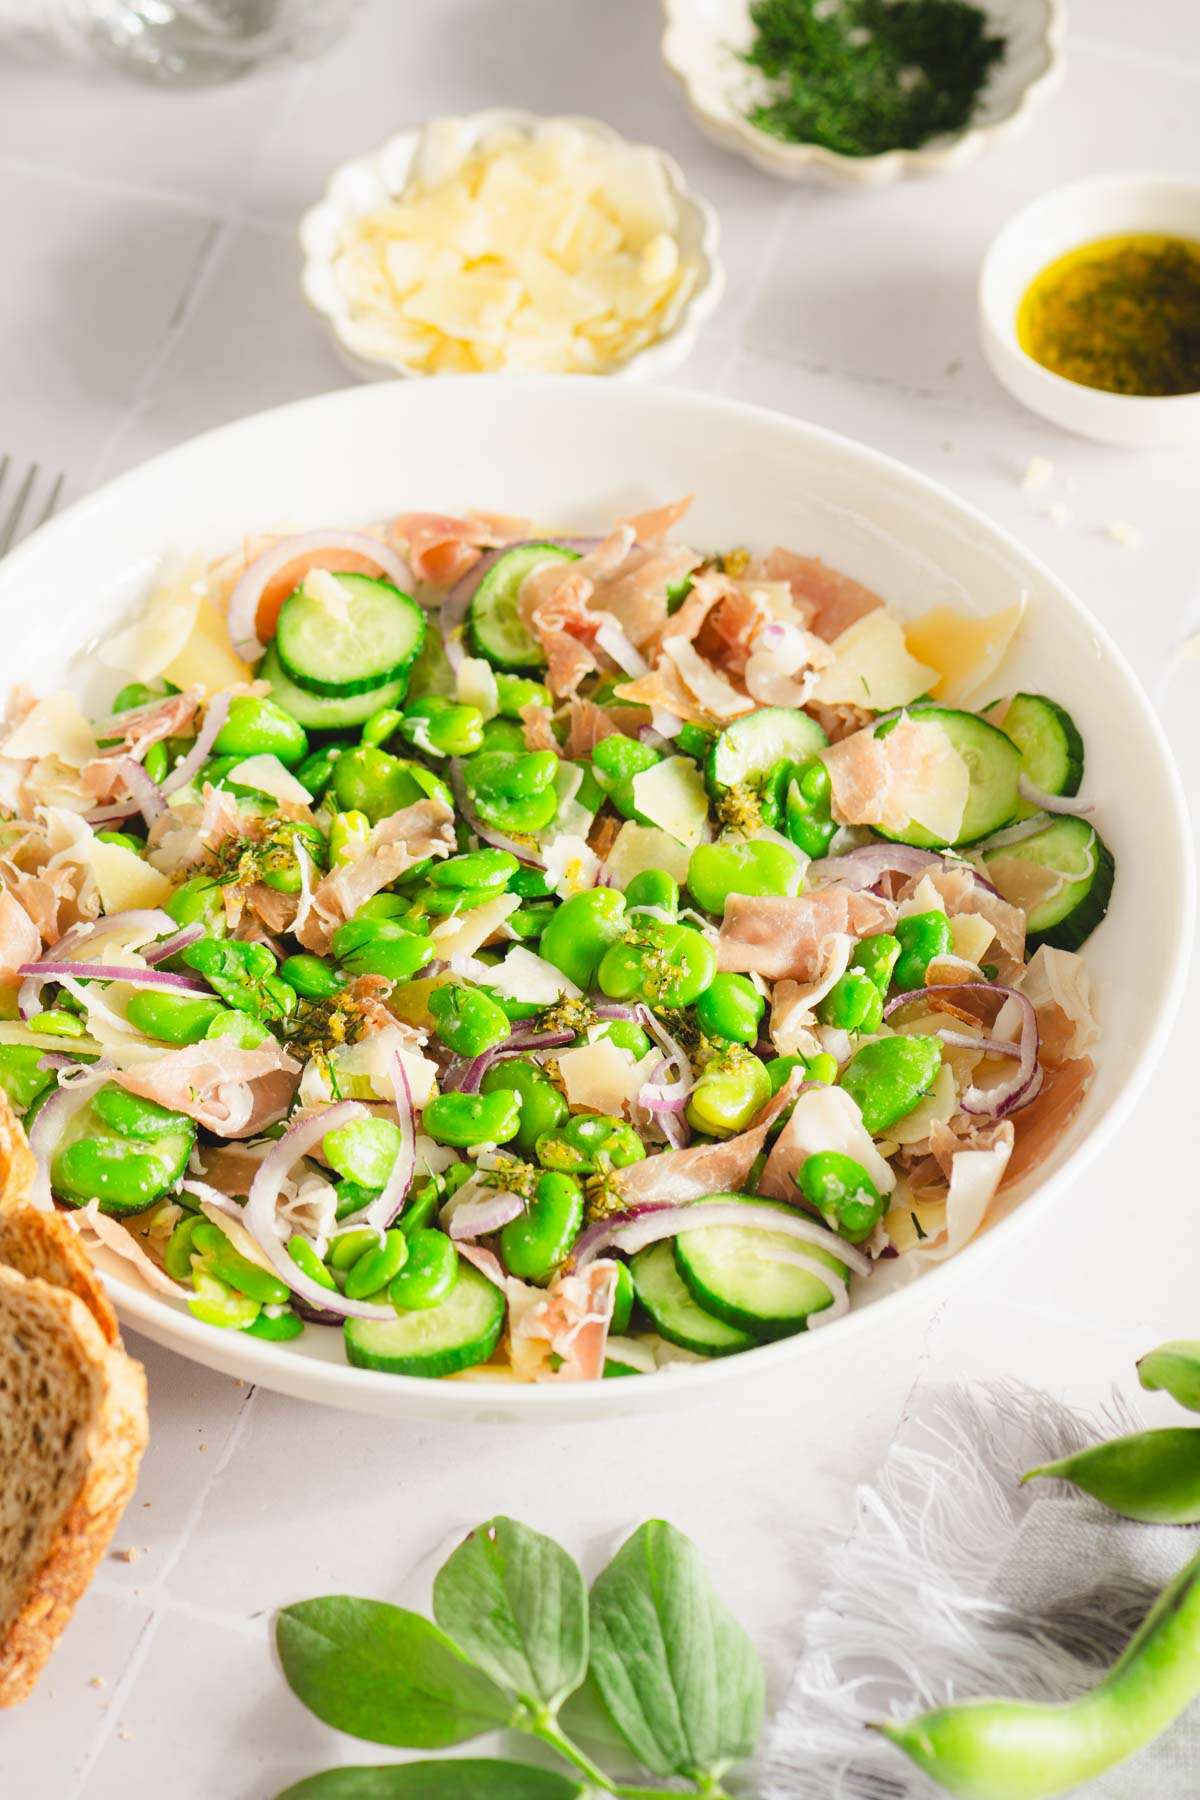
column 872, row 666
column 267, row 775
column 963, row 651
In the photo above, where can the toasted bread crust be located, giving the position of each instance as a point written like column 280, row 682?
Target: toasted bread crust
column 43, row 1245
column 116, row 1434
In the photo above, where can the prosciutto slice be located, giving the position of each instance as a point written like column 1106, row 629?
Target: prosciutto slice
column 396, row 843
column 232, row 1092
column 830, row 600
column 569, row 1321
column 19, row 940
column 674, row 1177
column 442, row 549
column 788, row 937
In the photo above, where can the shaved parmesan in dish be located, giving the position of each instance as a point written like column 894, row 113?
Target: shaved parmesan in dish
column 637, row 847
column 52, row 727
column 672, row 795
column 603, row 1078
column 963, row 651
column 552, row 248
column 124, row 878
column 524, row 976
column 571, row 864
column 267, row 775
column 872, row 666
column 469, row 932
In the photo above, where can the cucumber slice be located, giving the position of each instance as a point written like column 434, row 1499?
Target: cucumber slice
column 994, row 766
column 748, row 749
column 375, row 640
column 1075, row 851
column 324, row 712
column 462, row 1331
column 675, row 1315
column 1050, row 745
column 730, row 1272
column 494, row 624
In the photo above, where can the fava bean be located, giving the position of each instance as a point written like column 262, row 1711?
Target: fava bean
column 346, row 1248
column 132, row 1117
column 727, row 1095
column 373, row 782
column 172, row 1018
column 21, row 1078
column 466, row 1119
column 157, row 762
column 199, row 902
column 424, row 1204
column 853, row 1003
column 381, row 947
column 623, row 1303
column 243, row 974
column 627, row 1036
column 276, row 1327
column 316, row 771
column 514, row 692
column 122, row 1178
column 278, row 862
column 124, row 841
column 731, row 1007
column 309, row 1263
column 511, row 777
column 216, row 1303
column 653, row 887
column 755, row 866
column 466, row 1020
column 665, row 965
column 377, row 1267
column 236, row 1270
column 476, row 869
column 363, row 1150
column 534, row 1244
column 256, row 727
column 843, row 1193
column 139, row 693
column 311, row 976
column 889, row 1076
column 448, row 902
column 529, row 922
column 542, row 1106
column 348, row 837
column 617, row 761
column 505, row 735
column 381, row 726
column 57, row 1022
column 442, row 727
column 876, row 956
column 531, row 884
column 240, row 1029
column 177, row 1256
column 921, row 937
column 384, row 906
column 429, row 1275
column 581, row 931
column 806, row 808
column 352, row 1197
column 588, row 1144
column 524, row 818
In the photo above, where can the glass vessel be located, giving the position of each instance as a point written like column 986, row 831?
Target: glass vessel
column 195, row 43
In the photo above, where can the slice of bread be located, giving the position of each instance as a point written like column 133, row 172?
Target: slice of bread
column 42, row 1244
column 73, row 1428
column 18, row 1167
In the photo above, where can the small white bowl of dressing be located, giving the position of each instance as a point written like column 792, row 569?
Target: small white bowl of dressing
column 1105, row 207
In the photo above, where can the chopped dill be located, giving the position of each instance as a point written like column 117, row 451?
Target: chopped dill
column 862, row 77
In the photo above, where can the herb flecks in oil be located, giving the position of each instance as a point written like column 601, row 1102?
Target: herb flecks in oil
column 1121, row 314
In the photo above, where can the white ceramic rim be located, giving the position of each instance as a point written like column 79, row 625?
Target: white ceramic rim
column 341, row 1384
column 797, row 162
column 1090, row 411
column 334, row 309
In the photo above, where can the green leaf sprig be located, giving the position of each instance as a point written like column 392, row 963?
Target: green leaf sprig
column 517, row 1634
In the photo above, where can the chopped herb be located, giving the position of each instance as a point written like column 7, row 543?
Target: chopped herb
column 917, row 1227
column 866, row 76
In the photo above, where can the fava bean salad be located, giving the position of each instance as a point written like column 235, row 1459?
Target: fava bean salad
column 540, row 958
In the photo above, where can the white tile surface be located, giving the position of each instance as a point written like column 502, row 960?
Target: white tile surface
column 150, row 293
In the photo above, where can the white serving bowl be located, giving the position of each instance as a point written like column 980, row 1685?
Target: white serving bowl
column 366, row 182
column 575, row 453
column 1104, row 206
column 701, row 45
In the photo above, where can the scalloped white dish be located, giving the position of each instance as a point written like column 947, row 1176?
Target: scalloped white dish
column 579, row 452
column 701, row 45
column 366, row 182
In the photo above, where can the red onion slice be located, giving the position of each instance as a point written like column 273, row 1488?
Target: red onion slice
column 1012, row 834
column 97, row 971
column 1019, row 1088
column 215, row 716
column 387, row 1207
column 465, row 1077
column 522, row 848
column 479, row 1218
column 629, row 1235
column 863, row 867
column 261, row 1216
column 243, row 602
column 145, row 792
column 1053, row 803
column 156, row 953
column 55, row 1114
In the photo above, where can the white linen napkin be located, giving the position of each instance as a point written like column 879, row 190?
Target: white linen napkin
column 956, row 1583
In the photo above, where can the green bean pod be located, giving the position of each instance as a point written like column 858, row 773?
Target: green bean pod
column 1175, row 1368
column 1013, row 1750
column 1152, row 1475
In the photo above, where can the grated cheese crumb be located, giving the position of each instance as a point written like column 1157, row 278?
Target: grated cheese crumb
column 1039, row 473
column 1059, row 513
column 1128, row 536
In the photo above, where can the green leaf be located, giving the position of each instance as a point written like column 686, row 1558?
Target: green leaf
column 677, row 1672
column 516, row 1603
column 384, row 1674
column 460, row 1779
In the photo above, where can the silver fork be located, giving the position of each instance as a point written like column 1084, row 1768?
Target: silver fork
column 24, row 500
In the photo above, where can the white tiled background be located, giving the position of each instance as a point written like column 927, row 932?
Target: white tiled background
column 150, row 291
